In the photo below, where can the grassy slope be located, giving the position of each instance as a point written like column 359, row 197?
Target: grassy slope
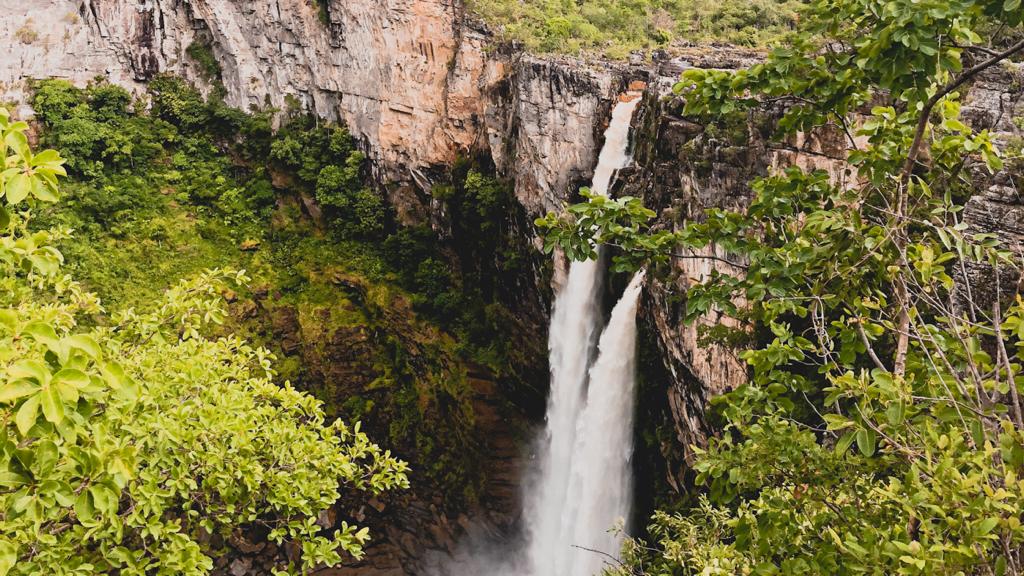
column 614, row 27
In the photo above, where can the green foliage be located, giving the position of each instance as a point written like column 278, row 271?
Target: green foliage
column 325, row 160
column 202, row 53
column 179, row 103
column 881, row 430
column 125, row 446
column 356, row 207
column 471, row 297
column 615, row 27
column 323, row 11
column 232, row 194
column 96, row 128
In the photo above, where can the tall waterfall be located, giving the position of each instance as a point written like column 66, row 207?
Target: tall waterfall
column 601, row 473
column 582, row 484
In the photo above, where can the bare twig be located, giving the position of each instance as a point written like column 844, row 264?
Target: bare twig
column 1014, row 396
column 867, row 344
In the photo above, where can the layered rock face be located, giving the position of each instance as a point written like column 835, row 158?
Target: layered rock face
column 413, row 82
column 411, row 78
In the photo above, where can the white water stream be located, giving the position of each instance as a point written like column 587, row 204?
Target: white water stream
column 582, row 486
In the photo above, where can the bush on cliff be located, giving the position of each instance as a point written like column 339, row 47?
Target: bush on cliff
column 881, row 431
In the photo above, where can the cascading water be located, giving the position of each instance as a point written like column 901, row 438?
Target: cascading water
column 582, row 482
column 601, row 475
column 581, row 486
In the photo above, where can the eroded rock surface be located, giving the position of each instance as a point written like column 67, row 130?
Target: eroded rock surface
column 411, row 78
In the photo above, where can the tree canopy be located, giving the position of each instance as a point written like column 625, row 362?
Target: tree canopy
column 881, row 428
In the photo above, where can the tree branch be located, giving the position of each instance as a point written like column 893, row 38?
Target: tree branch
column 867, row 344
column 902, row 293
column 922, row 123
column 678, row 256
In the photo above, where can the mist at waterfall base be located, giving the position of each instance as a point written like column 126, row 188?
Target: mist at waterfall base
column 580, row 486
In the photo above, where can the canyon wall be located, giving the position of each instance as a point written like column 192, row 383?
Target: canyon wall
column 418, row 88
column 413, row 79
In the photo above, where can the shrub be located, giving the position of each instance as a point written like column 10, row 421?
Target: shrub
column 94, row 128
column 178, row 102
column 201, row 52
column 27, row 34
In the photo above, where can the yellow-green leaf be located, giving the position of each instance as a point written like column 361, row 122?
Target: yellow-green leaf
column 17, row 389
column 42, row 192
column 8, row 556
column 27, row 414
column 29, row 369
column 18, row 188
column 866, row 441
column 71, row 377
column 53, row 406
column 86, row 344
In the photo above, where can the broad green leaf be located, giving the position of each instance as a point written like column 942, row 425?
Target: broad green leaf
column 12, row 479
column 843, row 444
column 894, row 412
column 84, row 509
column 17, row 389
column 71, row 377
column 104, row 499
column 8, row 556
column 8, row 319
column 42, row 192
column 41, row 332
column 86, row 344
column 866, row 442
column 837, row 422
column 29, row 369
column 117, row 379
column 18, row 188
column 983, row 527
column 27, row 414
column 53, row 406
column 47, row 264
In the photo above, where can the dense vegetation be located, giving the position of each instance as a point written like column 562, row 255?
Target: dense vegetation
column 195, row 184
column 165, row 190
column 881, row 431
column 615, row 27
column 127, row 443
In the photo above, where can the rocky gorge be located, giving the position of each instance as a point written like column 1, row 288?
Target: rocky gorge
column 420, row 84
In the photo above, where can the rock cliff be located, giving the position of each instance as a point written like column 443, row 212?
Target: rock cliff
column 412, row 78
column 418, row 88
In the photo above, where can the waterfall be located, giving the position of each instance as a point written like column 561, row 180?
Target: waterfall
column 601, row 474
column 581, row 487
